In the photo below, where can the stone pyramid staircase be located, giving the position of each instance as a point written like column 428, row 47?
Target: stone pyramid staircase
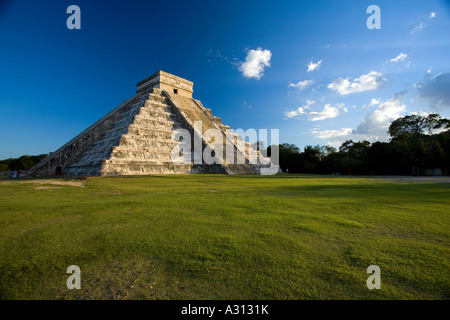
column 140, row 142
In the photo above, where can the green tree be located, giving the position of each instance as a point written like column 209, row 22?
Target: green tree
column 413, row 125
column 258, row 145
column 311, row 157
column 356, row 155
column 408, row 137
column 289, row 157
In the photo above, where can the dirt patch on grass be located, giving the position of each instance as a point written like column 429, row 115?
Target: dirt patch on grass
column 46, row 184
column 51, row 182
column 57, row 182
column 46, row 187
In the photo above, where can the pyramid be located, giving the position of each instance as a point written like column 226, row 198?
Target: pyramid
column 147, row 134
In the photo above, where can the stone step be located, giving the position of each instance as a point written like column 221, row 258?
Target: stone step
column 158, row 107
column 141, row 161
column 149, row 112
column 83, row 170
column 147, row 149
column 125, row 119
column 153, row 135
column 156, row 97
column 143, row 143
column 123, row 166
column 106, row 141
column 156, row 123
column 144, row 117
column 80, row 166
column 114, row 132
column 155, row 103
column 130, row 114
column 93, row 158
column 136, row 136
column 128, row 118
column 115, row 167
column 141, row 155
column 136, row 130
column 96, row 154
column 141, row 126
column 137, row 105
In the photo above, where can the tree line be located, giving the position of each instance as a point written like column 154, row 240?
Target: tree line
column 419, row 145
column 23, row 163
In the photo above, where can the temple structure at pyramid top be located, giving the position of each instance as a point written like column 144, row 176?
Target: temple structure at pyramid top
column 168, row 82
column 161, row 130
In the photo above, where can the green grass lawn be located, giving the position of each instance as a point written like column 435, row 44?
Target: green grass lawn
column 225, row 237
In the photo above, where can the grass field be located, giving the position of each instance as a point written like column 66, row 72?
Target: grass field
column 224, row 237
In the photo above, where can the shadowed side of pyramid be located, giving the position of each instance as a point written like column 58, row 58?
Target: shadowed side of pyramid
column 192, row 111
column 140, row 137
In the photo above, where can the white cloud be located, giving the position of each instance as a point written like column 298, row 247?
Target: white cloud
column 314, row 66
column 432, row 15
column 373, row 102
column 402, row 56
column 327, row 134
column 365, row 82
column 327, row 113
column 299, row 111
column 309, row 103
column 295, row 113
column 255, row 62
column 418, row 28
column 302, row 84
column 375, row 124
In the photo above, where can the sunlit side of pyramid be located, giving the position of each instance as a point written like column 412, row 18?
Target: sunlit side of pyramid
column 140, row 137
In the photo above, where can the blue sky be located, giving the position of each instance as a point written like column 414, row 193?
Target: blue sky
column 311, row 69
